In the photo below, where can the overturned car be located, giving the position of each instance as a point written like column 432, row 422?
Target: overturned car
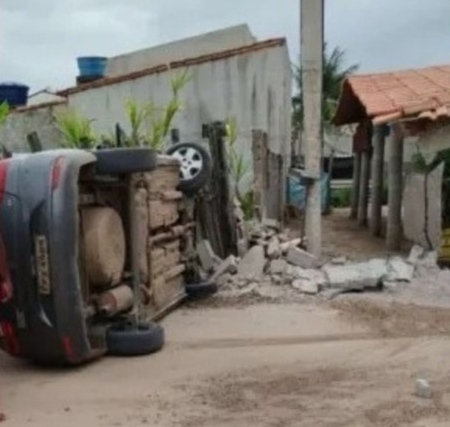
column 97, row 245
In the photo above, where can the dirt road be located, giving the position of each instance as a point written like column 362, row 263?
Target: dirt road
column 264, row 365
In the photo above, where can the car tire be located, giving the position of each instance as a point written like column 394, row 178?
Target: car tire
column 125, row 339
column 198, row 291
column 195, row 166
column 116, row 161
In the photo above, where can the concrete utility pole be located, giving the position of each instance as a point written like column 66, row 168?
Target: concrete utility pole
column 312, row 42
column 394, row 220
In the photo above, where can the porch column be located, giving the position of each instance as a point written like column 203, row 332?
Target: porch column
column 355, row 184
column 377, row 180
column 363, row 205
column 394, row 220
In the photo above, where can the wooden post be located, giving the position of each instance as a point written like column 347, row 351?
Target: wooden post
column 394, row 221
column 312, row 42
column 363, row 202
column 377, row 180
column 356, row 184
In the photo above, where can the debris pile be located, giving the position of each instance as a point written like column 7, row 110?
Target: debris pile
column 275, row 265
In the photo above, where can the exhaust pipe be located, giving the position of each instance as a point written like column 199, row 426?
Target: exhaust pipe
column 115, row 300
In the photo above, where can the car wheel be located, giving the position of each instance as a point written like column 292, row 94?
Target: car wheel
column 115, row 161
column 125, row 339
column 199, row 291
column 195, row 165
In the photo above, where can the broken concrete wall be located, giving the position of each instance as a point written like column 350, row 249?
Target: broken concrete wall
column 269, row 178
column 40, row 119
column 416, row 218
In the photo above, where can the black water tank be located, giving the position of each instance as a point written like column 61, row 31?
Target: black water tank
column 15, row 94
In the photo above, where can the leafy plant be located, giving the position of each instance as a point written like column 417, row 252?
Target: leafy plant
column 334, row 74
column 137, row 117
column 4, row 112
column 248, row 205
column 239, row 168
column 151, row 125
column 341, row 197
column 76, row 130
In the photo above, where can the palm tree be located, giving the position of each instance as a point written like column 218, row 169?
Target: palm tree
column 334, row 74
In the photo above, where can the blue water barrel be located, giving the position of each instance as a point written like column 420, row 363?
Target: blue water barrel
column 297, row 192
column 92, row 66
column 15, row 94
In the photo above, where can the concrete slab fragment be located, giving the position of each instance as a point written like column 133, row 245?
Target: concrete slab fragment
column 253, row 262
column 301, row 258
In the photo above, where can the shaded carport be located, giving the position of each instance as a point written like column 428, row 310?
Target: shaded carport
column 395, row 105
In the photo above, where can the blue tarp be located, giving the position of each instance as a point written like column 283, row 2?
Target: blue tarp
column 297, row 192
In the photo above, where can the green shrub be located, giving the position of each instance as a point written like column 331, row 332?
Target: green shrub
column 341, row 197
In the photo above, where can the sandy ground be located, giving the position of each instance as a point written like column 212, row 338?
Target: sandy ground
column 344, row 237
column 350, row 363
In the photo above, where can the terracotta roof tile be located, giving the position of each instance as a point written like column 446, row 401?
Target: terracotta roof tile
column 394, row 94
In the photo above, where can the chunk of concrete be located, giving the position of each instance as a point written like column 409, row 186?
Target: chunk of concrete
column 273, row 249
column 342, row 260
column 306, row 286
column 242, row 247
column 278, row 266
column 359, row 276
column 316, row 276
column 253, row 262
column 283, row 237
column 224, row 280
column 295, row 243
column 228, row 266
column 399, row 270
column 415, row 254
column 423, row 389
column 277, row 279
column 206, row 255
column 301, row 258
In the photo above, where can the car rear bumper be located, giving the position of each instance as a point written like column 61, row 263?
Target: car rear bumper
column 39, row 217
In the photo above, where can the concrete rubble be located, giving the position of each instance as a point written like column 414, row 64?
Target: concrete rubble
column 301, row 258
column 399, row 270
column 360, row 276
column 253, row 262
column 423, row 389
column 277, row 264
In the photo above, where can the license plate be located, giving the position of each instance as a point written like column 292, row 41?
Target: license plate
column 42, row 265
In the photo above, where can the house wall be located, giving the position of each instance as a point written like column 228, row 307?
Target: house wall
column 434, row 141
column 254, row 88
column 204, row 44
column 416, row 218
column 13, row 134
column 428, row 144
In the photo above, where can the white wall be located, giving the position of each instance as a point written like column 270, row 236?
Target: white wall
column 229, row 38
column 255, row 88
column 13, row 134
column 434, row 141
column 414, row 217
